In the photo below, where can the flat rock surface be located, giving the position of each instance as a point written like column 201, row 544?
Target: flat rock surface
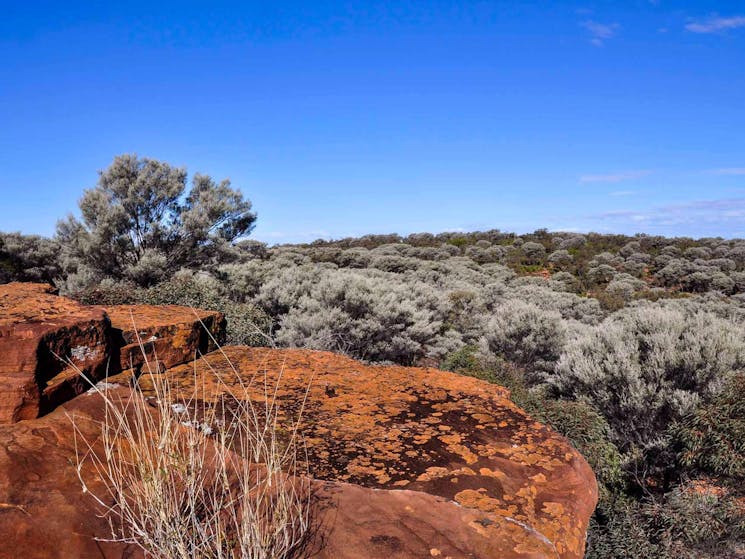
column 425, row 431
column 38, row 331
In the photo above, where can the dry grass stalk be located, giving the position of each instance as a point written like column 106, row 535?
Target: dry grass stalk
column 187, row 479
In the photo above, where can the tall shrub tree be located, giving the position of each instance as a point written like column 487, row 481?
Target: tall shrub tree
column 140, row 224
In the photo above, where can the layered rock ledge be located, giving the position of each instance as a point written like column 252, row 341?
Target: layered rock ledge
column 51, row 347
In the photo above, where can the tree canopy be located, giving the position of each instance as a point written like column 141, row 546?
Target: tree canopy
column 139, row 223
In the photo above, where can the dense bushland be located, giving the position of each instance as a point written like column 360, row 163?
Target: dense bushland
column 632, row 347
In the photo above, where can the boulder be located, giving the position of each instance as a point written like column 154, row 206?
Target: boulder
column 45, row 342
column 426, row 431
column 44, row 513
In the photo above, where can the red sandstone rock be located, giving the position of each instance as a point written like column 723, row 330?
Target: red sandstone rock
column 40, row 331
column 37, row 330
column 44, row 513
column 427, row 431
column 169, row 335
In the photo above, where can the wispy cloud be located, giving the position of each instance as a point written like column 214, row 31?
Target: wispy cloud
column 615, row 177
column 622, row 193
column 693, row 214
column 728, row 171
column 600, row 32
column 715, row 24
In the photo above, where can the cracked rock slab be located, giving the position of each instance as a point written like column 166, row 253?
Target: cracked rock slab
column 38, row 333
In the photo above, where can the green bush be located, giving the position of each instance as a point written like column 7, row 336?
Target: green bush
column 712, row 439
column 696, row 520
column 588, row 432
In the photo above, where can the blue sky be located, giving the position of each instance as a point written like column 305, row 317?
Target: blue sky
column 346, row 118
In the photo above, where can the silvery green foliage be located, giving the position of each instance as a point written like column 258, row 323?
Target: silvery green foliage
column 524, row 334
column 393, row 262
column 697, row 252
column 560, row 257
column 601, row 273
column 569, row 305
column 724, row 264
column 284, row 286
column 737, row 253
column 647, row 366
column 572, row 241
column 141, row 224
column 624, row 286
column 674, row 270
column 606, row 258
column 28, row 258
column 632, row 247
column 243, row 281
column 534, row 252
column 359, row 257
column 708, row 279
column 366, row 316
column 569, row 281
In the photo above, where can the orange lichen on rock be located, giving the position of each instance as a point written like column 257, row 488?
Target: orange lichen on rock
column 382, row 426
column 480, row 477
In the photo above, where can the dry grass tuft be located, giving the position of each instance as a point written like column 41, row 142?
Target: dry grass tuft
column 186, row 479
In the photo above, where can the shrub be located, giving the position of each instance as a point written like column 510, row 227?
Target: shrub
column 646, row 367
column 601, row 273
column 247, row 324
column 465, row 361
column 28, row 258
column 624, row 286
column 525, row 335
column 696, row 520
column 712, row 438
column 560, row 258
column 140, row 224
column 586, row 429
column 534, row 252
column 367, row 317
column 618, row 531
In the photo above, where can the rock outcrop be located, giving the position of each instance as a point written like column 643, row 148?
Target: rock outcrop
column 427, row 431
column 44, row 514
column 163, row 336
column 408, row 462
column 44, row 341
column 52, row 347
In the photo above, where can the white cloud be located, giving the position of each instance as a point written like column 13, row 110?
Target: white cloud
column 716, row 24
column 615, row 177
column 622, row 193
column 728, row 171
column 694, row 214
column 600, row 32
